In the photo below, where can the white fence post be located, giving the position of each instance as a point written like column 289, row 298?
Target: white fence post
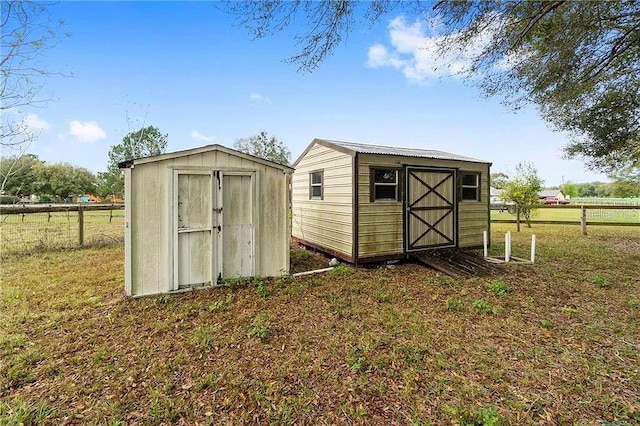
column 533, row 248
column 484, row 243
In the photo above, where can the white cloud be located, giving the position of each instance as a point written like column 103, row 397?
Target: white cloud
column 257, row 97
column 414, row 52
column 199, row 137
column 33, row 124
column 88, row 131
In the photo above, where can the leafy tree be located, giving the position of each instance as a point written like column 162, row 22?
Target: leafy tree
column 27, row 32
column 604, row 189
column 569, row 188
column 17, row 175
column 523, row 189
column 498, row 180
column 263, row 146
column 587, row 189
column 625, row 189
column 63, row 180
column 578, row 62
column 145, row 142
column 626, row 183
column 110, row 184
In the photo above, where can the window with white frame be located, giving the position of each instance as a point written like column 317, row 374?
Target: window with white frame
column 315, row 184
column 384, row 185
column 470, row 183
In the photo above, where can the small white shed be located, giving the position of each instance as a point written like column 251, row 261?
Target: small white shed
column 199, row 216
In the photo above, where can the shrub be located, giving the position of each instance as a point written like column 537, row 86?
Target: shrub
column 298, row 257
column 341, row 269
column 499, row 288
column 600, row 281
column 260, row 287
column 454, row 304
column 259, row 327
column 483, row 307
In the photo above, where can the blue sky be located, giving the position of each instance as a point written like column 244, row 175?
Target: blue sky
column 199, row 77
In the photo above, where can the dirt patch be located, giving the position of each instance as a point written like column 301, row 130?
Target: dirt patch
column 627, row 245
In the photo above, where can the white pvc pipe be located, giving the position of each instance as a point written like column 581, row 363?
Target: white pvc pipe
column 317, row 271
column 484, row 243
column 533, row 248
column 506, row 247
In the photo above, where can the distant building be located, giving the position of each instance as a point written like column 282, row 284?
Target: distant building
column 495, row 195
column 553, row 196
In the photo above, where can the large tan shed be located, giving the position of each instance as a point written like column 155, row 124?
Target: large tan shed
column 196, row 217
column 365, row 203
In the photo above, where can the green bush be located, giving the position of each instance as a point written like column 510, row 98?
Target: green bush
column 499, row 288
column 9, row 199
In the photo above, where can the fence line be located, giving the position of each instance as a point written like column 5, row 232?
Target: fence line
column 583, row 222
column 28, row 227
column 51, row 208
column 606, row 201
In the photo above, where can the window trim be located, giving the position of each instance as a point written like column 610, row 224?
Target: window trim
column 372, row 185
column 312, row 185
column 477, row 187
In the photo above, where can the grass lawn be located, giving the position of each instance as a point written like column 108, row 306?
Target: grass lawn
column 553, row 343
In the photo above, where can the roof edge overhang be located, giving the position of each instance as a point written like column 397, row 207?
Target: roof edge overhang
column 200, row 150
column 353, row 152
column 325, row 143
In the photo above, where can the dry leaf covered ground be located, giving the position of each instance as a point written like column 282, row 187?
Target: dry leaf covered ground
column 553, row 343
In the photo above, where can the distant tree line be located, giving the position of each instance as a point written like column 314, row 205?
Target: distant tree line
column 616, row 189
column 26, row 175
column 622, row 186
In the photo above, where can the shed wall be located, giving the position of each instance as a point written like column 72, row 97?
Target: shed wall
column 380, row 223
column 327, row 223
column 149, row 206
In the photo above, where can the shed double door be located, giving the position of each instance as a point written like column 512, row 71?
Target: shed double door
column 430, row 213
column 213, row 227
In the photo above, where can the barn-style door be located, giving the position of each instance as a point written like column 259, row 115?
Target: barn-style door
column 430, row 214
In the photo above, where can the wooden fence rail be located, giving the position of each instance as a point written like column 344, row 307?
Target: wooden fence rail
column 583, row 222
column 52, row 208
column 23, row 209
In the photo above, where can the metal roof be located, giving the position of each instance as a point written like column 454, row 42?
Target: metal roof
column 401, row 151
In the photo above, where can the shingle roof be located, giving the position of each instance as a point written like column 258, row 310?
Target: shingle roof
column 396, row 150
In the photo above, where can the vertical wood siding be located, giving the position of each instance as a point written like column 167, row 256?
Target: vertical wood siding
column 328, row 222
column 237, row 227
